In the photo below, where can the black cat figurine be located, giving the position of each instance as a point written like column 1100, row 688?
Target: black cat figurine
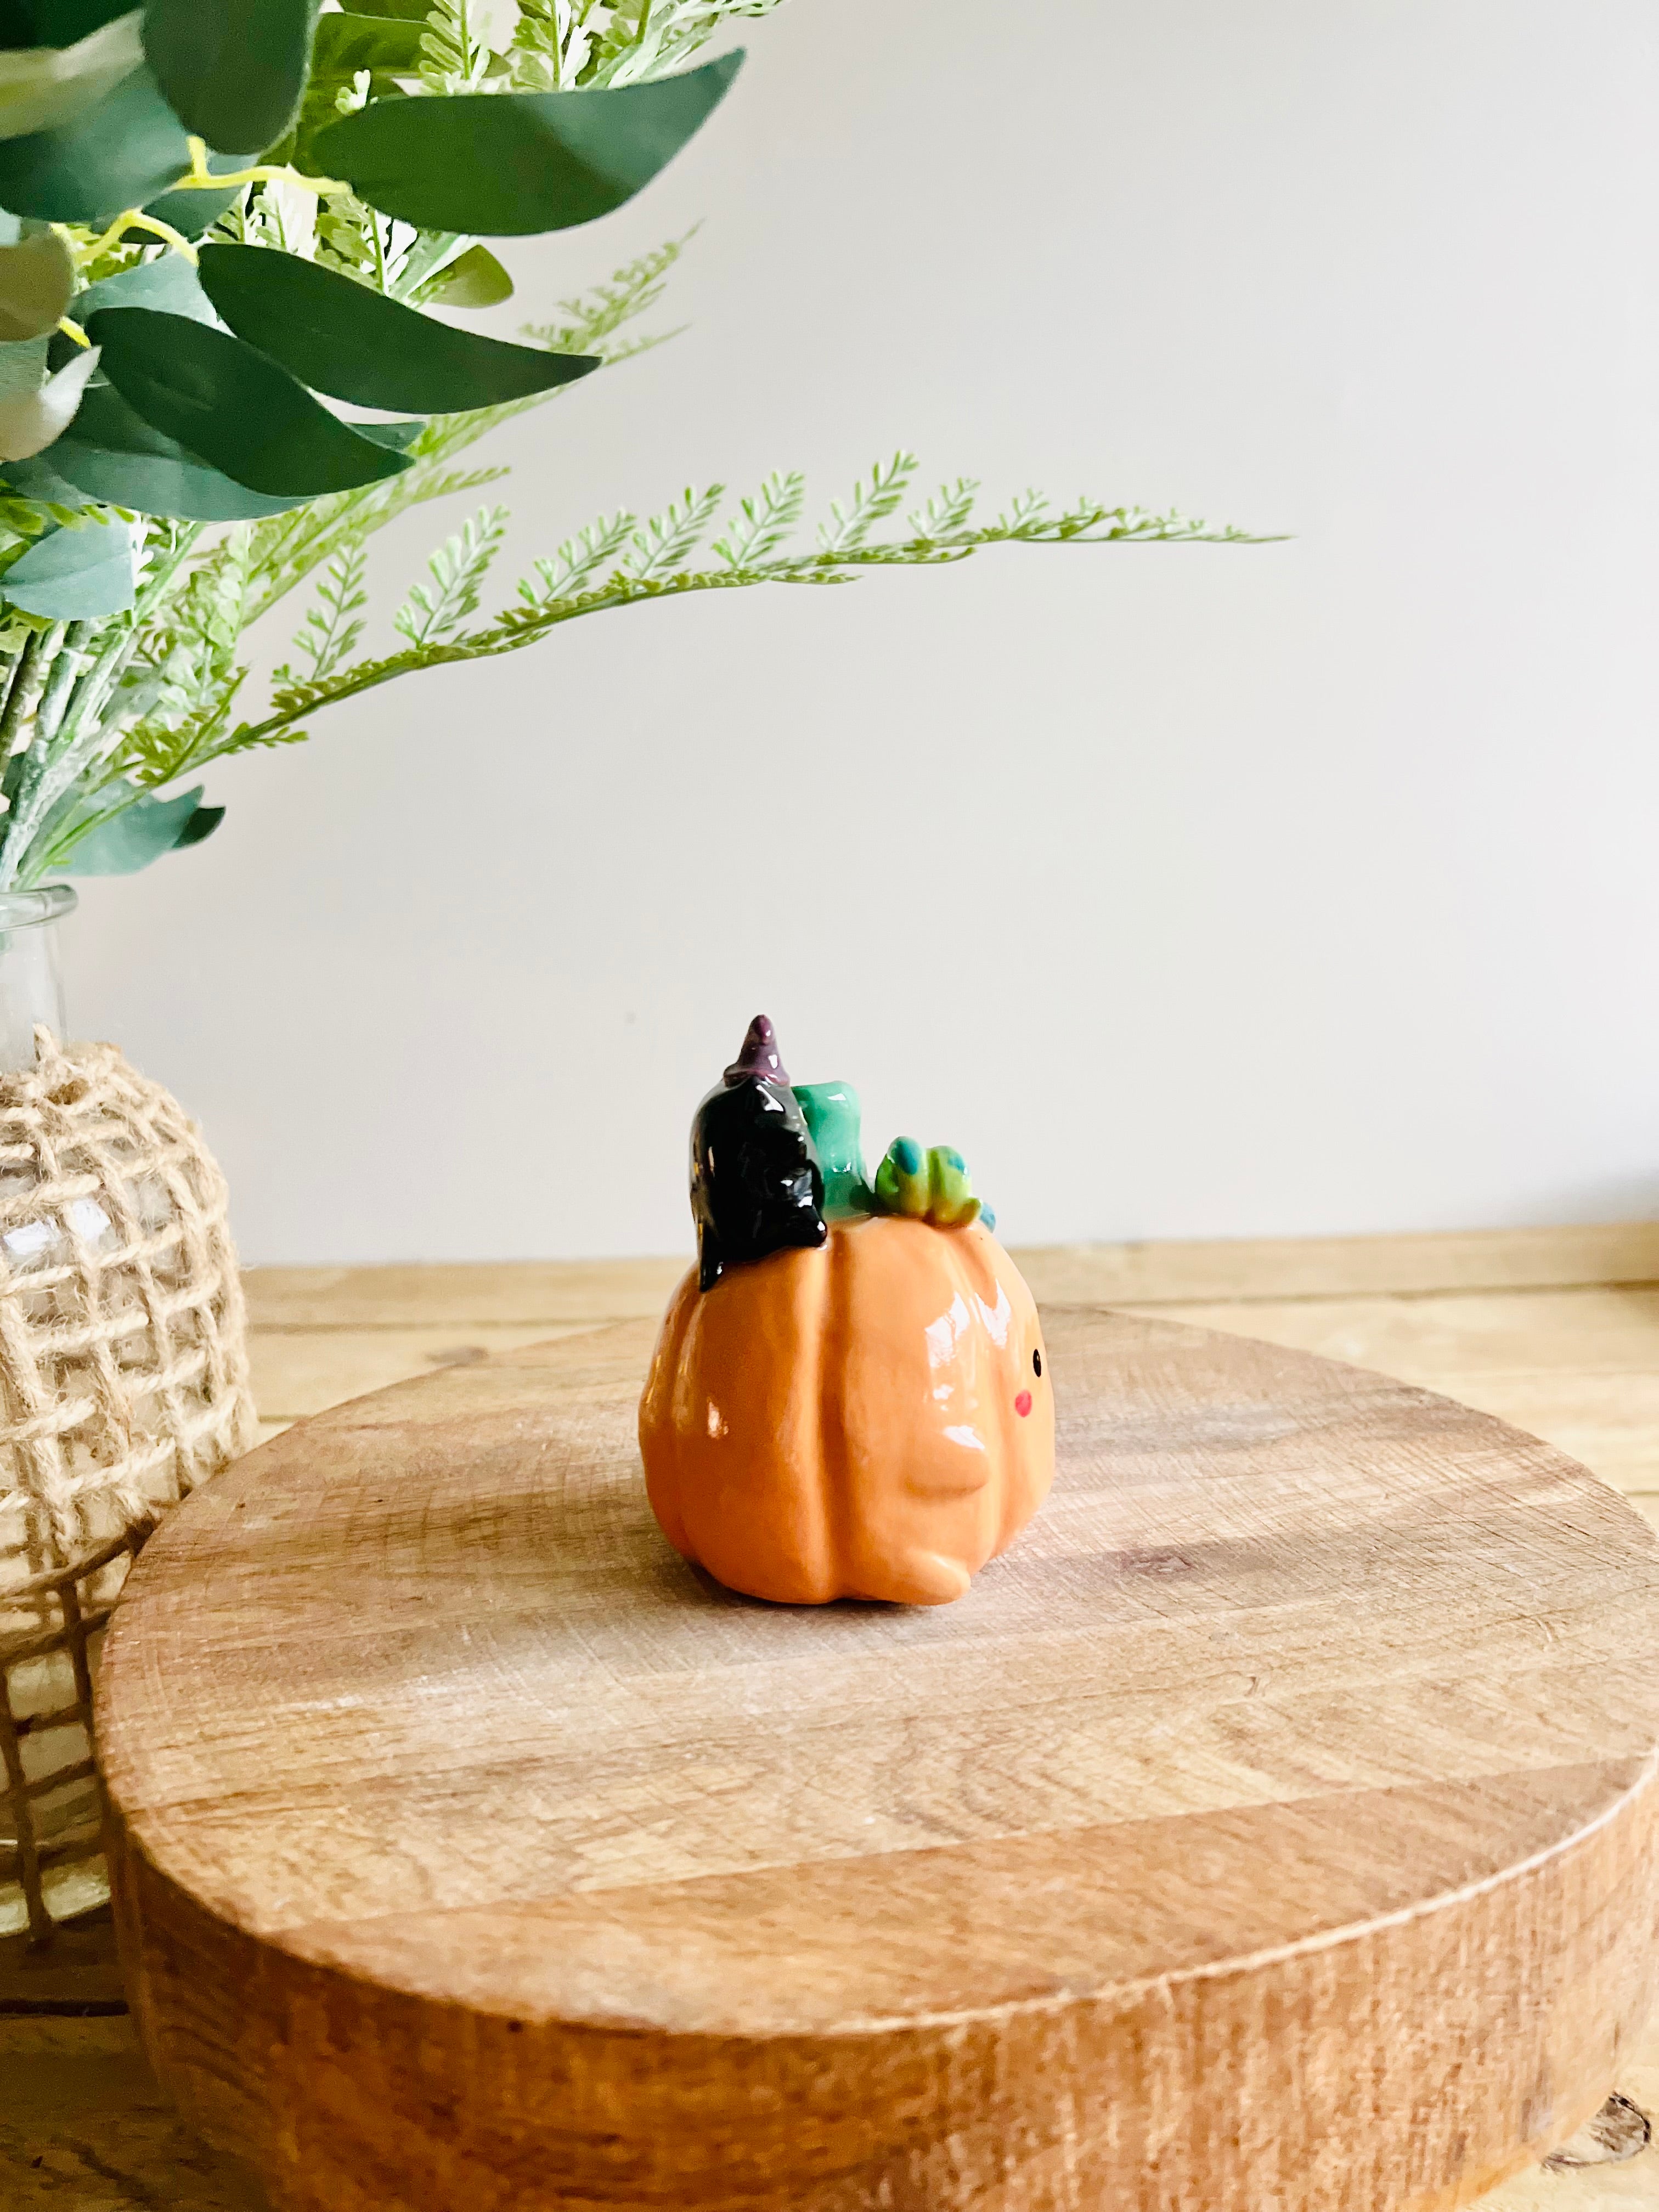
column 755, row 1183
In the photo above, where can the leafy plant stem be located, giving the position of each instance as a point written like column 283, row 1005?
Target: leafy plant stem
column 74, row 744
column 68, row 658
column 9, row 671
column 81, row 740
column 26, row 676
column 65, row 669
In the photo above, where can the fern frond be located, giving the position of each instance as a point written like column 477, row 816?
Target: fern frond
column 594, row 316
column 445, row 483
column 668, row 540
column 581, row 579
column 871, row 503
column 1023, row 512
column 157, row 752
column 348, row 238
column 764, row 523
column 578, row 560
column 452, row 59
column 538, row 55
column 948, row 511
column 655, row 572
column 646, row 37
column 334, row 623
column 457, row 569
column 551, row 45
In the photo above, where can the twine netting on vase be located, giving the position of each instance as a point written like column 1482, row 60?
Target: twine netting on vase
column 124, row 1383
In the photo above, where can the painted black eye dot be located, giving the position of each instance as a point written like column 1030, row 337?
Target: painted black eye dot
column 1037, row 1363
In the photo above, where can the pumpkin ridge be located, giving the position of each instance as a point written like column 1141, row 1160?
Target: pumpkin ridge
column 820, row 1551
column 978, row 1267
column 835, row 1339
column 657, row 1414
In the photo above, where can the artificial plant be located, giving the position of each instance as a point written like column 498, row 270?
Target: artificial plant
column 224, row 224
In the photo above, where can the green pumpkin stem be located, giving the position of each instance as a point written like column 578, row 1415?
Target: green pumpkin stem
column 834, row 1123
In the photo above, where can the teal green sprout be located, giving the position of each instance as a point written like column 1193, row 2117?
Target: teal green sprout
column 833, row 1119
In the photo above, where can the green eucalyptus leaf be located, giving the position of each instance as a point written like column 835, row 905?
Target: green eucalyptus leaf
column 200, row 827
column 43, row 86
column 406, row 11
column 232, row 70
column 342, row 338
column 36, row 282
column 473, row 279
column 35, row 478
column 168, row 282
column 400, row 437
column 142, row 832
column 22, row 367
column 233, row 407
column 117, row 154
column 115, row 455
column 499, row 164
column 32, row 421
column 346, row 44
column 62, row 22
column 71, row 575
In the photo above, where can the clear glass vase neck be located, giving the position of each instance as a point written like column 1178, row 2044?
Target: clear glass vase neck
column 31, row 981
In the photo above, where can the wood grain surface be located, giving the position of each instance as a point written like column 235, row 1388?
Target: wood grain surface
column 1270, row 1828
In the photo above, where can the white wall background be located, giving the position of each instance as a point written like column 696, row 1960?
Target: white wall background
column 1190, row 891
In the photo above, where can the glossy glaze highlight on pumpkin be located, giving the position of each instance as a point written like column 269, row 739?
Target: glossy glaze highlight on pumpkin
column 870, row 1419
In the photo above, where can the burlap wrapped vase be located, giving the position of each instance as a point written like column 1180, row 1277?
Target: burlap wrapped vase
column 124, row 1383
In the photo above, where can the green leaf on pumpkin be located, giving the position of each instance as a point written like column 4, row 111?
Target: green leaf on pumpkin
column 931, row 1185
column 75, row 575
column 232, row 70
column 233, row 407
column 342, row 338
column 499, row 164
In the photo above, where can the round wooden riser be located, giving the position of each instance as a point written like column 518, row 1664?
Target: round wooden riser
column 1271, row 1828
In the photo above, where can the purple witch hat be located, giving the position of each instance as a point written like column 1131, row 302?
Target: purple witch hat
column 759, row 1056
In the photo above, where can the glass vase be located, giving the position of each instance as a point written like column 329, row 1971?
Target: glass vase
column 124, row 1383
column 31, row 983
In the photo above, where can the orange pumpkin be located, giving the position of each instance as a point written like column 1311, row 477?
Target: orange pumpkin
column 872, row 1418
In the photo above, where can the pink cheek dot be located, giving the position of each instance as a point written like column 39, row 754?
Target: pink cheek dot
column 1023, row 1403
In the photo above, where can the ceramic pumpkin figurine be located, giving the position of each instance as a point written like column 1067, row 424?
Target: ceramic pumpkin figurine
column 852, row 1401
